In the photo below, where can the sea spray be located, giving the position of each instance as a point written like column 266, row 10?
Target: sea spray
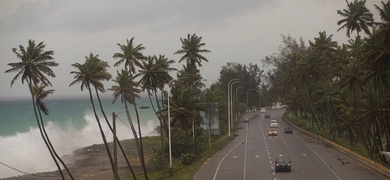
column 26, row 151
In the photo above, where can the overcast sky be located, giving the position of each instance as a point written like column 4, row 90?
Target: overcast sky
column 233, row 30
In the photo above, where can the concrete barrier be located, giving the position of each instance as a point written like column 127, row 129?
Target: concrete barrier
column 353, row 155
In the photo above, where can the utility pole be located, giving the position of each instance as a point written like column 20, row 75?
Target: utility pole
column 114, row 146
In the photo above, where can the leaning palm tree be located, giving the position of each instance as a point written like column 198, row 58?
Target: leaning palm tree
column 384, row 26
column 356, row 18
column 40, row 94
column 90, row 74
column 126, row 90
column 154, row 73
column 35, row 64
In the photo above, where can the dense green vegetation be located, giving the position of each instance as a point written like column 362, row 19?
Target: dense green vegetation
column 339, row 89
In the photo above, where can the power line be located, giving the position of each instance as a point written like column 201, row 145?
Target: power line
column 20, row 170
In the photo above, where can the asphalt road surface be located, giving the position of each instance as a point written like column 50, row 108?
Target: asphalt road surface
column 251, row 156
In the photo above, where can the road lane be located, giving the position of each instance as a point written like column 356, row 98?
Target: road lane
column 252, row 153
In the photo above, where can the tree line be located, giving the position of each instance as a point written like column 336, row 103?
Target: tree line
column 342, row 89
column 138, row 73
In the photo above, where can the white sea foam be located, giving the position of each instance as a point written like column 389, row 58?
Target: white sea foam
column 27, row 152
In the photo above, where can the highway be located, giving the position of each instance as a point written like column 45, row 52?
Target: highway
column 251, row 155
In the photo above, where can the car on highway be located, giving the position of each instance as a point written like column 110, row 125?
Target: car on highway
column 272, row 132
column 288, row 130
column 246, row 120
column 282, row 164
column 273, row 121
column 273, row 125
column 262, row 110
column 267, row 116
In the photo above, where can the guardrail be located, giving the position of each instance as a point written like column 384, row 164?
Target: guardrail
column 353, row 155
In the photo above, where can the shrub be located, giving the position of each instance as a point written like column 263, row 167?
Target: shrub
column 188, row 158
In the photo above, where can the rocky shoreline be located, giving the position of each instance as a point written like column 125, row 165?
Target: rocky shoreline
column 92, row 163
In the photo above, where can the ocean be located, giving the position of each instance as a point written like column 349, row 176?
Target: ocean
column 70, row 125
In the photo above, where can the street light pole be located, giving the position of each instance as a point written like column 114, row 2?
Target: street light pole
column 228, row 103
column 237, row 99
column 116, row 176
column 231, row 104
column 169, row 131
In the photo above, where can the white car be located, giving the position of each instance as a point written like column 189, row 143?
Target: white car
column 262, row 110
column 272, row 132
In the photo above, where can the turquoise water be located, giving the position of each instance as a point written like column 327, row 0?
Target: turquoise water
column 71, row 124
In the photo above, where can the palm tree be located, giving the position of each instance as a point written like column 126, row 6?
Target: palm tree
column 154, row 75
column 34, row 66
column 191, row 50
column 40, row 93
column 325, row 49
column 126, row 90
column 192, row 53
column 384, row 26
column 90, row 74
column 356, row 18
column 130, row 55
column 183, row 106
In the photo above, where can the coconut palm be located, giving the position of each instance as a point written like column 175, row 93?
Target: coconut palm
column 40, row 94
column 384, row 26
column 182, row 104
column 130, row 55
column 126, row 90
column 376, row 56
column 192, row 52
column 33, row 68
column 154, row 75
column 35, row 64
column 90, row 75
column 325, row 49
column 356, row 18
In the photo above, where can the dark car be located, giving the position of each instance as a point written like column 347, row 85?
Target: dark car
column 288, row 130
column 282, row 164
column 267, row 116
column 246, row 120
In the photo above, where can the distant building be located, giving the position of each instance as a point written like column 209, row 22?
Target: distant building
column 210, row 118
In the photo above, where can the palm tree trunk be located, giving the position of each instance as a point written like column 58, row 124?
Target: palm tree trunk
column 52, row 147
column 116, row 137
column 101, row 131
column 140, row 140
column 137, row 141
column 164, row 120
column 41, row 132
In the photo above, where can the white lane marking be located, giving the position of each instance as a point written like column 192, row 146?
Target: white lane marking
column 216, row 171
column 320, row 158
column 246, row 147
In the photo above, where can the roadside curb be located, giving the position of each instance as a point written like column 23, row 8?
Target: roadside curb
column 353, row 155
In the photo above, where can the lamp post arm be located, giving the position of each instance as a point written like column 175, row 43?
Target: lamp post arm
column 228, row 103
